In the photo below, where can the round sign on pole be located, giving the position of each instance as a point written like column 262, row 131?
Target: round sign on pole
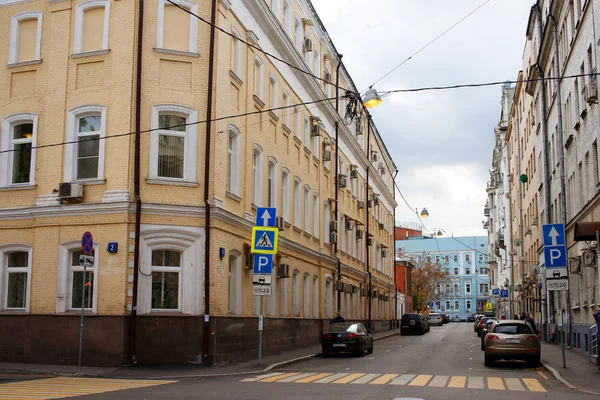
column 87, row 243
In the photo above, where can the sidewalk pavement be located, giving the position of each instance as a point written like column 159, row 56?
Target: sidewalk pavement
column 580, row 374
column 181, row 371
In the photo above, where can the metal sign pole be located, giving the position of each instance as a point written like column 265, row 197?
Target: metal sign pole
column 260, row 329
column 82, row 314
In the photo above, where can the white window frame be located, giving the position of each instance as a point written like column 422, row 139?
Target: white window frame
column 307, row 215
column 285, row 195
column 70, row 169
column 273, row 92
column 298, row 203
column 237, row 52
column 298, row 121
column 272, row 176
column 315, row 296
column 190, row 242
column 15, row 20
column 79, row 17
column 234, row 156
column 257, row 175
column 286, row 111
column 7, row 143
column 317, row 63
column 329, row 296
column 326, row 221
column 468, row 305
column 316, row 218
column 287, row 17
column 65, row 286
column 298, row 33
column 467, row 288
column 456, row 305
column 316, row 144
column 4, row 251
column 191, row 141
column 275, row 8
column 160, row 23
column 259, row 76
column 296, row 293
column 306, row 132
column 284, row 304
column 234, row 298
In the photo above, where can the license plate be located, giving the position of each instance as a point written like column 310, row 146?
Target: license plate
column 339, row 345
column 513, row 340
column 405, row 326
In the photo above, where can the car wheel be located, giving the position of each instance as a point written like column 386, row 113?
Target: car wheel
column 370, row 349
column 478, row 334
column 535, row 362
column 482, row 346
column 361, row 349
column 487, row 361
column 326, row 353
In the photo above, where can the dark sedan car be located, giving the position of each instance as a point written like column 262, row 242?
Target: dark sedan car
column 347, row 337
column 413, row 323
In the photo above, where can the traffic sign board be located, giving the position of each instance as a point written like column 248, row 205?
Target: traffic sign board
column 261, row 279
column 556, row 273
column 557, row 284
column 263, row 263
column 554, row 234
column 261, row 290
column 555, row 256
column 86, row 261
column 495, row 292
column 264, row 240
column 87, row 243
column 504, row 294
column 265, row 216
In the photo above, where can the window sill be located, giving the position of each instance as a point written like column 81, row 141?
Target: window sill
column 258, row 102
column 297, row 140
column 286, row 224
column 233, row 196
column 91, row 182
column 296, row 229
column 17, row 187
column 158, row 181
column 316, row 239
column 273, row 116
column 584, row 113
column 308, row 235
column 90, row 53
column 75, row 312
column 236, row 78
column 286, row 128
column 316, row 159
column 14, row 311
column 307, row 151
column 165, row 313
column 176, row 52
column 23, row 63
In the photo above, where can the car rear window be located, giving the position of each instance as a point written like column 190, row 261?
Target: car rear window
column 340, row 328
column 410, row 316
column 513, row 329
column 434, row 315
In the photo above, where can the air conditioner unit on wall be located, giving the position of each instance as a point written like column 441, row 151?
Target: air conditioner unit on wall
column 283, row 271
column 70, row 190
column 326, row 155
column 353, row 173
column 359, row 234
column 333, row 226
column 360, row 204
column 589, row 258
column 307, row 44
column 333, row 237
column 328, row 76
column 343, row 181
column 574, row 265
column 279, row 223
column 348, row 225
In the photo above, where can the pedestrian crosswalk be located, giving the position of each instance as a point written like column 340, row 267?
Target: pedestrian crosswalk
column 62, row 387
column 438, row 381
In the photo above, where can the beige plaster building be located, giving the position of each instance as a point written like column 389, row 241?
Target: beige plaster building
column 104, row 107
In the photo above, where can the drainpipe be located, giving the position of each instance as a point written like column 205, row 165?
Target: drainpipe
column 394, row 254
column 561, row 170
column 367, row 217
column 136, row 186
column 544, row 122
column 209, row 103
column 337, row 175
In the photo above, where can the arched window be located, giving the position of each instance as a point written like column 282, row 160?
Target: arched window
column 329, row 297
column 298, row 37
column 273, row 95
column 285, row 195
column 296, row 293
column 235, row 282
column 25, row 37
column 15, row 277
column 272, row 299
column 286, row 110
column 91, row 26
column 86, row 128
column 233, row 160
column 257, row 173
column 20, row 136
column 258, row 77
column 307, row 215
column 316, row 216
column 272, row 185
column 236, row 52
column 326, row 221
column 297, row 203
column 177, row 29
column 287, row 17
column 315, row 295
column 306, row 296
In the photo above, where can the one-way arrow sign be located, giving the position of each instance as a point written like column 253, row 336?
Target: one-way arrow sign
column 265, row 216
column 554, row 235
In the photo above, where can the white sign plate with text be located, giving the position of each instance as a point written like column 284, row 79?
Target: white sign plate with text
column 261, row 290
column 557, row 284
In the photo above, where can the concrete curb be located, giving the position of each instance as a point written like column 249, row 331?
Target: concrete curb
column 562, row 380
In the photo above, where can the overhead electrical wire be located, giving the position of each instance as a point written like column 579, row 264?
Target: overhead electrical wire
column 430, row 43
column 289, row 64
column 174, row 126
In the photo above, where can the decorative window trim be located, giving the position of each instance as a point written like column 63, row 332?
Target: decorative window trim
column 14, row 35
column 190, row 242
column 234, row 178
column 316, row 213
column 4, row 250
column 70, row 170
column 7, row 143
column 160, row 23
column 191, row 142
column 286, row 211
column 274, row 191
column 64, row 289
column 81, row 9
column 273, row 91
column 235, row 308
column 298, row 203
column 307, row 214
column 260, row 77
column 257, row 186
column 237, row 67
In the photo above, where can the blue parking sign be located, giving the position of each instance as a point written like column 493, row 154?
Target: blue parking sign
column 263, row 264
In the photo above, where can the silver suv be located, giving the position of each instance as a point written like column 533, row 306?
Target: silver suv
column 435, row 319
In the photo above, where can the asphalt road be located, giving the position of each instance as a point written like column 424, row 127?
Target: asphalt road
column 446, row 363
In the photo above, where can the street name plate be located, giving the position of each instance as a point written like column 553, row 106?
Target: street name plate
column 261, row 290
column 557, row 284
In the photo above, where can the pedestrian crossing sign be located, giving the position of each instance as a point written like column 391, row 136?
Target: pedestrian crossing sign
column 264, row 240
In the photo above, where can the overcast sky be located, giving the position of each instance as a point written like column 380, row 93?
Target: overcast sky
column 441, row 141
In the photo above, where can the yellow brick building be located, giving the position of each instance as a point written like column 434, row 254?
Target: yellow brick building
column 104, row 107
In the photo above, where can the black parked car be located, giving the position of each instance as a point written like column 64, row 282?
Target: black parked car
column 347, row 337
column 413, row 323
column 445, row 318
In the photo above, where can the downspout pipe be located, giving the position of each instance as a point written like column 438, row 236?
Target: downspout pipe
column 337, row 175
column 367, row 218
column 207, row 161
column 136, row 186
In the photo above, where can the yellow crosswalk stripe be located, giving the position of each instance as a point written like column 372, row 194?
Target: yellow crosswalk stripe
column 364, row 379
column 533, row 385
column 420, row 380
column 313, row 378
column 543, row 375
column 495, row 383
column 53, row 388
column 383, row 379
column 457, row 382
column 348, row 378
column 278, row 377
